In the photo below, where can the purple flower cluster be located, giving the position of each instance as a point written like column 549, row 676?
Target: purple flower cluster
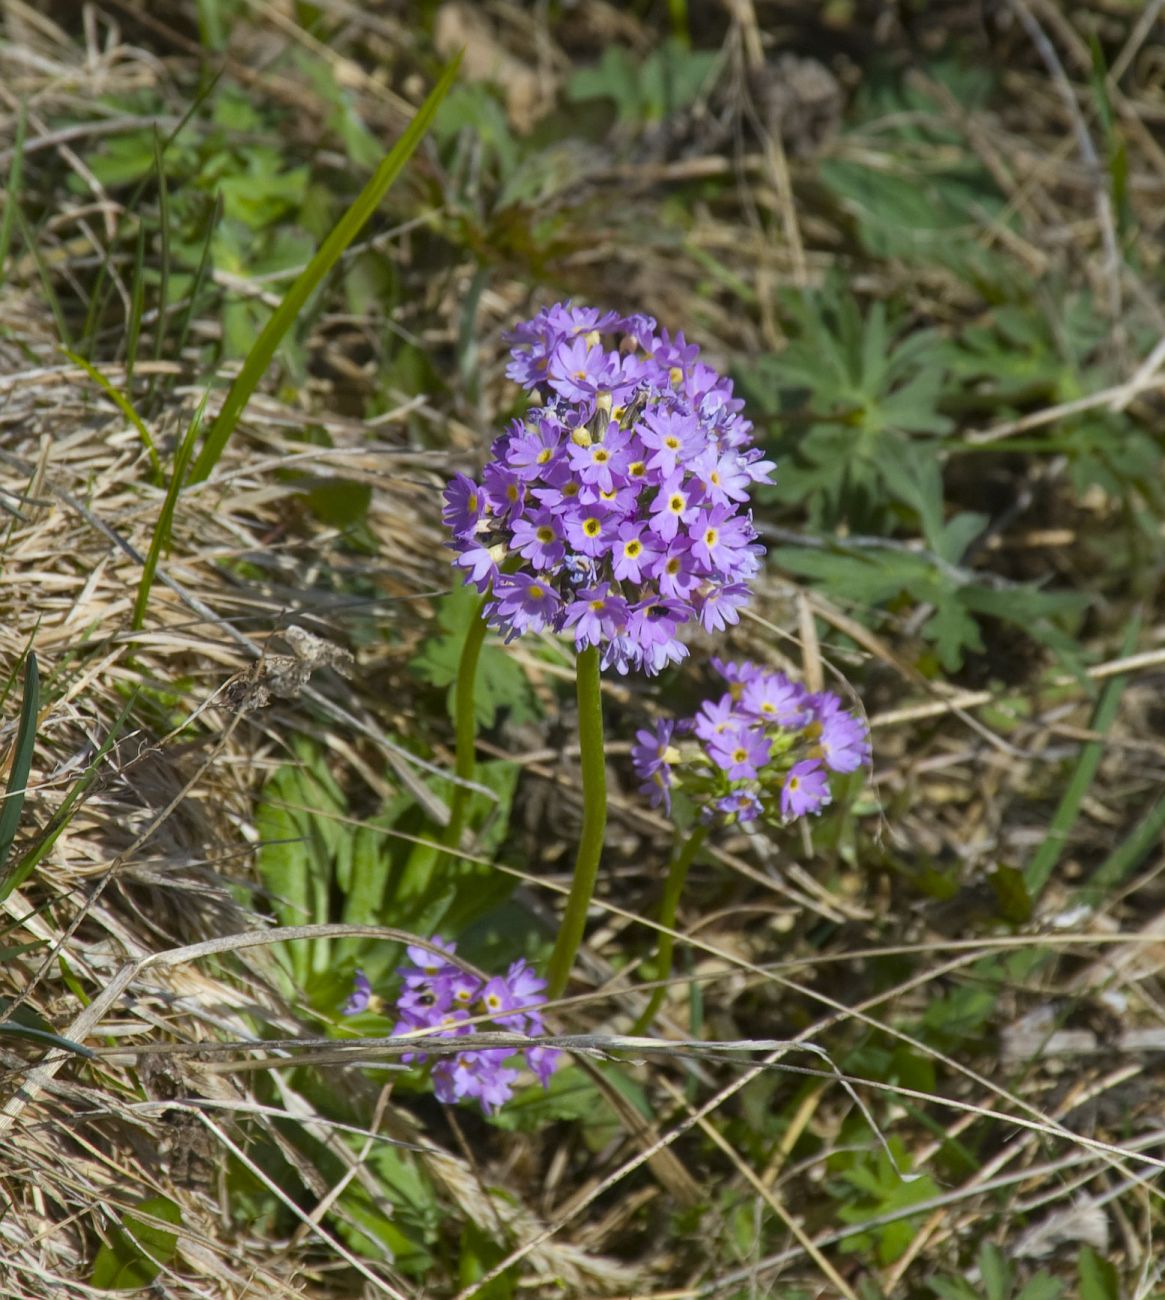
column 764, row 749
column 438, row 994
column 617, row 508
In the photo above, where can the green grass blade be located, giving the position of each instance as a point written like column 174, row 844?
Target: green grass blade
column 32, row 859
column 12, row 190
column 32, row 244
column 21, row 761
column 1127, row 855
column 137, row 303
column 123, row 404
column 164, row 238
column 166, row 518
column 1040, row 868
column 285, row 315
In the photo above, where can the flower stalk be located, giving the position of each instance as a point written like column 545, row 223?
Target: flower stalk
column 465, row 723
column 677, row 876
column 590, row 848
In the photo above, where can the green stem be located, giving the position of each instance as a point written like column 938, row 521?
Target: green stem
column 594, row 823
column 465, row 720
column 677, row 874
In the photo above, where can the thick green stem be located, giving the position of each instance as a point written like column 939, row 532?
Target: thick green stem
column 594, row 823
column 465, row 720
column 677, row 874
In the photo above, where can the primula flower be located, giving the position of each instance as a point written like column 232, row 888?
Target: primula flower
column 631, row 468
column 437, row 994
column 652, row 754
column 806, row 788
column 765, row 749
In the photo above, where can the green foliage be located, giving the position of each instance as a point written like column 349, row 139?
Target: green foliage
column 851, row 393
column 18, row 773
column 259, row 355
column 863, row 443
column 882, row 1190
column 912, row 185
column 1096, row 1280
column 501, row 682
column 406, row 1221
column 319, row 862
column 669, row 79
column 136, row 1252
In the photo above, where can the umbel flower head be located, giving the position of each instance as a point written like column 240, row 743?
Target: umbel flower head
column 440, row 995
column 764, row 749
column 616, row 509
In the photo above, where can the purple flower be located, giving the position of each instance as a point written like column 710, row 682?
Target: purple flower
column 479, row 565
column 634, row 550
column 578, row 371
column 723, row 476
column 669, row 437
column 740, row 751
column 598, row 462
column 844, row 742
column 638, row 462
column 591, row 529
column 742, row 805
column 719, row 607
column 361, row 998
column 464, row 504
column 439, row 996
column 532, row 450
column 539, row 539
column 523, row 604
column 651, row 756
column 718, row 536
column 504, row 490
column 806, row 789
column 672, row 506
column 765, row 730
column 714, row 719
column 596, row 615
column 772, row 697
column 676, row 569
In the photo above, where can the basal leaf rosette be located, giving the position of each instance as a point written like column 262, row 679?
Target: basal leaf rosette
column 616, row 509
column 764, row 750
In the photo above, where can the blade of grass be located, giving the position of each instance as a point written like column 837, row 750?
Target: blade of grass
column 1040, row 868
column 21, row 761
column 133, row 210
column 12, row 190
column 165, row 522
column 187, row 318
column 164, row 238
column 46, row 283
column 137, row 302
column 1127, row 855
column 285, row 315
column 123, row 404
column 32, row 859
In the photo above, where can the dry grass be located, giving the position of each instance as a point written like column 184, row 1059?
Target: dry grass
column 122, row 937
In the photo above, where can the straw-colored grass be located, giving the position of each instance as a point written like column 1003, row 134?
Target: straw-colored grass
column 252, row 638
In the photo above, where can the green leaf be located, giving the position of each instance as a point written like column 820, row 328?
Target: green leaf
column 1014, row 902
column 135, row 1253
column 288, row 311
column 501, row 682
column 1042, row 1287
column 18, row 774
column 995, row 1270
column 1098, row 1277
column 953, row 1288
